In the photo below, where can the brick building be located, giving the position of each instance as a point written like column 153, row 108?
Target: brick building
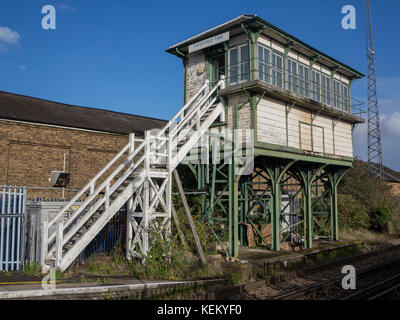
column 36, row 136
column 392, row 178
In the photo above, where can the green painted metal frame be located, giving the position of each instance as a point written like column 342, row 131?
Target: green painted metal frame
column 228, row 191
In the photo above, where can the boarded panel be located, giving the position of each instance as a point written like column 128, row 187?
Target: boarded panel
column 326, row 123
column 318, row 139
column 296, row 116
column 305, row 137
column 343, row 139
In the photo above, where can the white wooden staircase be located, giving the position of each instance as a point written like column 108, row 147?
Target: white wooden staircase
column 139, row 175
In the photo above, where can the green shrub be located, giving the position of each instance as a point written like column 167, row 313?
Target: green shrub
column 352, row 212
column 380, row 216
column 232, row 276
column 368, row 194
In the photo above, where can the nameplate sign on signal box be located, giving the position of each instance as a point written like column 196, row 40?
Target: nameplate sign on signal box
column 209, row 42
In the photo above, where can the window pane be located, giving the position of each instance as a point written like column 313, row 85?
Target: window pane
column 316, row 86
column 326, row 89
column 267, row 67
column 303, row 81
column 233, row 74
column 345, row 96
column 336, row 94
column 261, row 63
column 245, row 64
column 277, row 73
column 292, row 76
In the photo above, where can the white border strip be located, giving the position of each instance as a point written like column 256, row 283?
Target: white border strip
column 101, row 289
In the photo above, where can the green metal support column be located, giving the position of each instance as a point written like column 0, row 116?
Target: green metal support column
column 276, row 172
column 308, row 175
column 334, row 177
column 334, row 214
column 253, row 38
column 234, row 195
column 244, row 209
column 235, row 239
column 308, row 225
column 276, row 210
column 233, row 233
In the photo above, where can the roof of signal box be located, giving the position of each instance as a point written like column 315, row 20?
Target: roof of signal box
column 255, row 22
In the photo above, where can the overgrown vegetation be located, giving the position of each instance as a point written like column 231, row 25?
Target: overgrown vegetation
column 365, row 202
column 168, row 259
column 32, row 269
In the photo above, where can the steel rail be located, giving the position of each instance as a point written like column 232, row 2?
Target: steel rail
column 360, row 293
column 315, row 287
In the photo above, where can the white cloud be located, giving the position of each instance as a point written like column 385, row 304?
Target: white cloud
column 389, row 107
column 65, row 7
column 390, row 124
column 8, row 36
column 388, row 94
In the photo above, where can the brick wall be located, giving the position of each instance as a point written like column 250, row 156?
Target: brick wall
column 30, row 152
column 395, row 188
column 196, row 73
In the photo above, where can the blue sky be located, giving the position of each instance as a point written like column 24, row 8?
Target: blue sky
column 111, row 54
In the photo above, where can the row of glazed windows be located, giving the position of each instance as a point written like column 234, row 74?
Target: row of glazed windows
column 296, row 77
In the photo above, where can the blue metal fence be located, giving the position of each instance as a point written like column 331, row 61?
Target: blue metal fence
column 113, row 234
column 12, row 226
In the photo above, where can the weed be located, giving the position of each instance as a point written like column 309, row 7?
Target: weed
column 59, row 274
column 32, row 269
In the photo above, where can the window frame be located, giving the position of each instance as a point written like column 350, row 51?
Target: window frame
column 326, row 91
column 274, row 78
column 304, row 91
column 290, row 76
column 262, row 74
column 314, row 85
column 240, row 77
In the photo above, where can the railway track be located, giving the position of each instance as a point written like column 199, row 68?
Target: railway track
column 311, row 281
column 379, row 290
column 332, row 289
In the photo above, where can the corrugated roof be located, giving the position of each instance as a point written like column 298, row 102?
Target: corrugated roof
column 30, row 109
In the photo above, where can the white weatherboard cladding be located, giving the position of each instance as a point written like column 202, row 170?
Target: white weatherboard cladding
column 237, row 40
column 264, row 40
column 304, row 60
column 343, row 137
column 326, row 71
column 302, row 131
column 271, row 125
column 278, row 47
column 326, row 123
column 292, row 55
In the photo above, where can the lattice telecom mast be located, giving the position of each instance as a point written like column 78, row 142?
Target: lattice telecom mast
column 374, row 131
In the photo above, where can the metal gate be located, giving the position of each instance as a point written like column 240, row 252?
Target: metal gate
column 12, row 228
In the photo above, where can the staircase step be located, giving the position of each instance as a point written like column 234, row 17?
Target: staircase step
column 157, row 170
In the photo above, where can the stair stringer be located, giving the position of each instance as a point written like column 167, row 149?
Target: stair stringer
column 195, row 138
column 116, row 205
